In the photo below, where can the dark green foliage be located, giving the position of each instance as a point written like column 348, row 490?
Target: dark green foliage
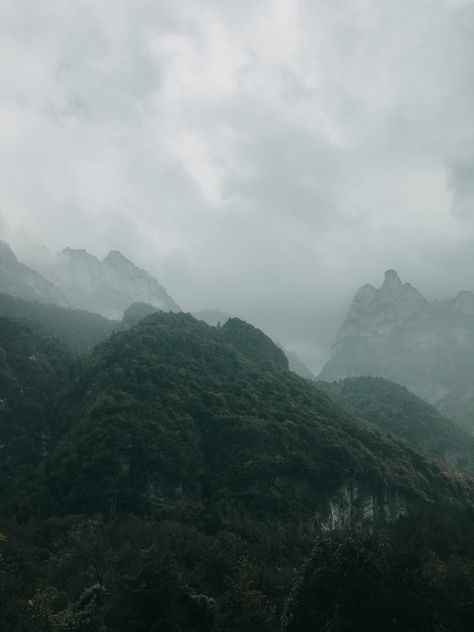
column 184, row 478
column 253, row 344
column 33, row 373
column 173, row 413
column 416, row 575
column 396, row 411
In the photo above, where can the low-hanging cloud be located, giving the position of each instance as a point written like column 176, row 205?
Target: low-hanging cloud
column 264, row 157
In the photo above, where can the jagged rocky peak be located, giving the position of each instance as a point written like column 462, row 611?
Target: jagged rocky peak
column 392, row 285
column 116, row 259
column 107, row 286
column 396, row 333
column 393, row 298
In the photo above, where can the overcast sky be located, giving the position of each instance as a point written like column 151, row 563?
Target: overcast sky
column 263, row 157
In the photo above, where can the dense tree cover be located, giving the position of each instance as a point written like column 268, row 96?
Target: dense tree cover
column 412, row 576
column 184, row 477
column 394, row 410
column 33, row 372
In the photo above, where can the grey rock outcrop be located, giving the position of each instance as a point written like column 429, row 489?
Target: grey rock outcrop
column 396, row 333
column 106, row 287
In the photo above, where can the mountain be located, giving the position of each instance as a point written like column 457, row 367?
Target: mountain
column 176, row 476
column 394, row 410
column 230, row 414
column 23, row 282
column 106, row 287
column 216, row 317
column 396, row 333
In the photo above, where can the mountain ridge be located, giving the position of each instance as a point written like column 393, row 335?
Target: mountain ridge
column 394, row 332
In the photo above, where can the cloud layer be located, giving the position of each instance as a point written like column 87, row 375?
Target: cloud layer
column 264, row 157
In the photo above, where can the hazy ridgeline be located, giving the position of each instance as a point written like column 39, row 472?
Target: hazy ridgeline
column 161, row 471
column 217, row 414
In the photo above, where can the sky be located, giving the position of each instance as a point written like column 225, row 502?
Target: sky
column 263, row 157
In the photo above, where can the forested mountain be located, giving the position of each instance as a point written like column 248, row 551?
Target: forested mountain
column 394, row 410
column 180, row 476
column 396, row 333
column 216, row 318
column 33, row 371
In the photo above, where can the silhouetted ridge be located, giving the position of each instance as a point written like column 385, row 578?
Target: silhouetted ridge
column 137, row 312
column 253, row 343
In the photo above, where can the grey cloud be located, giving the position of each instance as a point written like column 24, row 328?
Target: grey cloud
column 266, row 158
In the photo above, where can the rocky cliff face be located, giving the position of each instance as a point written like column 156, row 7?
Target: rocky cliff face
column 21, row 281
column 107, row 287
column 395, row 333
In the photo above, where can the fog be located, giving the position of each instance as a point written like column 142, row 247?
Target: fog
column 261, row 157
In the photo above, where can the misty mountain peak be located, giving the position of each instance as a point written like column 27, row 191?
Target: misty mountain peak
column 78, row 257
column 392, row 285
column 116, row 258
column 391, row 278
column 396, row 333
column 107, row 287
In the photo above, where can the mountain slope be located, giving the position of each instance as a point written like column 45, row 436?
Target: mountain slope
column 393, row 409
column 33, row 370
column 233, row 418
column 395, row 333
column 180, row 475
column 107, row 287
column 23, row 282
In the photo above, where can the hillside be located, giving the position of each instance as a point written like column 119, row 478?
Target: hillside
column 184, row 476
column 394, row 410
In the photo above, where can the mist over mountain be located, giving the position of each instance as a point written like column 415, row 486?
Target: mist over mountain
column 23, row 282
column 190, row 195
column 428, row 346
column 106, row 286
column 75, row 278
